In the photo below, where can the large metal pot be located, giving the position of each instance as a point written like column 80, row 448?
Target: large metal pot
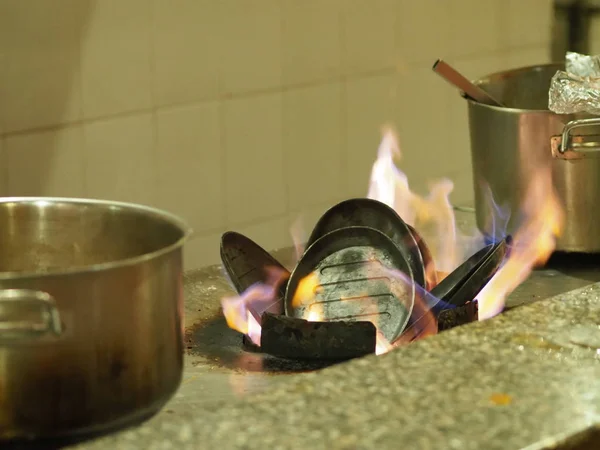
column 509, row 143
column 90, row 314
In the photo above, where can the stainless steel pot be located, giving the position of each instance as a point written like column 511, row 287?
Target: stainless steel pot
column 90, row 314
column 509, row 143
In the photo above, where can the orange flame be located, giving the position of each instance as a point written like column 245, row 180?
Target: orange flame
column 432, row 216
column 434, row 220
column 315, row 314
column 306, row 295
column 422, row 322
column 532, row 244
column 371, row 310
column 306, row 290
column 242, row 312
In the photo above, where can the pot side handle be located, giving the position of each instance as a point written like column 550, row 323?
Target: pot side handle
column 13, row 299
column 569, row 146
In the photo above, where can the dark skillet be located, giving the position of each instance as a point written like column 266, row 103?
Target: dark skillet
column 350, row 272
column 365, row 212
column 246, row 263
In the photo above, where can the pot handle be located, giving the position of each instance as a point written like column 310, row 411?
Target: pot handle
column 19, row 328
column 568, row 146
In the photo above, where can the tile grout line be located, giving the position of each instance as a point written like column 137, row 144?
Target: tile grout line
column 221, row 104
column 156, row 185
column 81, row 121
column 221, row 117
column 343, row 133
column 84, row 160
column 3, row 168
column 284, row 114
column 152, row 62
column 223, row 163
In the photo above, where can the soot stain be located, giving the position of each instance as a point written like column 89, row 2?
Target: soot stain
column 213, row 340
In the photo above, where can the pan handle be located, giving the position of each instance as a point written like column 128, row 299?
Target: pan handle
column 569, row 146
column 15, row 299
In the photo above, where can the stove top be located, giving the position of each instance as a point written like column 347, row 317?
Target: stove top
column 530, row 374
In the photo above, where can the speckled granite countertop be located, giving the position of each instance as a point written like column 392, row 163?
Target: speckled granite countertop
column 529, row 378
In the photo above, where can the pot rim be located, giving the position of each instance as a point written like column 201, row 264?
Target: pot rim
column 505, row 74
column 126, row 262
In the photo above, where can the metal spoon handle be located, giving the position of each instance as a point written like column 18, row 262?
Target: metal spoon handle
column 456, row 79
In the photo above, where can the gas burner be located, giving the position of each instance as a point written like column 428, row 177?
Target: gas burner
column 365, row 282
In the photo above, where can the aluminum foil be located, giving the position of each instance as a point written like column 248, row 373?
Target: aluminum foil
column 582, row 65
column 570, row 94
column 577, row 89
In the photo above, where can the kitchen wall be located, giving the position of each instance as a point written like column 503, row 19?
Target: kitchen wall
column 243, row 114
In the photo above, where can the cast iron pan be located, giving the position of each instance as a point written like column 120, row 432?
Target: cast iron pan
column 477, row 280
column 350, row 269
column 365, row 212
column 246, row 263
column 464, row 283
column 449, row 285
column 452, row 300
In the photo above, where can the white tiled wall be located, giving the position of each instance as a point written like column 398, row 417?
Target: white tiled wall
column 243, row 114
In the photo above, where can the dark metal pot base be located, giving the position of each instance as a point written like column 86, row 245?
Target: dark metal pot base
column 78, row 437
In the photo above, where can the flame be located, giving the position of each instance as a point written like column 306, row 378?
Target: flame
column 497, row 221
column 432, row 216
column 388, row 184
column 433, row 219
column 532, row 245
column 441, row 275
column 298, row 237
column 370, row 310
column 306, row 295
column 315, row 316
column 306, row 291
column 382, row 345
column 254, row 328
column 316, row 312
column 242, row 312
column 436, row 224
column 422, row 322
column 432, row 276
